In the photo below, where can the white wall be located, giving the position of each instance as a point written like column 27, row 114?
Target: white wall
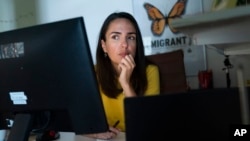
column 94, row 13
column 21, row 13
column 31, row 12
column 7, row 15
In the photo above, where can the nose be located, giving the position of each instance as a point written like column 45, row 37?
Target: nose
column 124, row 43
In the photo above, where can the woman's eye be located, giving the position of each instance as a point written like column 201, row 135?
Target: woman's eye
column 115, row 37
column 131, row 37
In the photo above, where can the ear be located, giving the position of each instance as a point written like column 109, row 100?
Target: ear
column 104, row 46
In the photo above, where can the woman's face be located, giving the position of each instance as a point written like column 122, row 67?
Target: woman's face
column 120, row 40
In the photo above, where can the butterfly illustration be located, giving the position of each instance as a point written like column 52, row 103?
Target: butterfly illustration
column 160, row 21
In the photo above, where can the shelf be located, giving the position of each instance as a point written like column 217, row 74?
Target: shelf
column 227, row 29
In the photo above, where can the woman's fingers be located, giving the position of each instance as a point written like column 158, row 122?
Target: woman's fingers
column 114, row 130
column 128, row 62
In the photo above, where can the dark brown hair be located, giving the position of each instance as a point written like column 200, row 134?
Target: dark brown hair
column 106, row 72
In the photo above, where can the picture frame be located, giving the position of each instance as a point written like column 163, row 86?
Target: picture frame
column 223, row 4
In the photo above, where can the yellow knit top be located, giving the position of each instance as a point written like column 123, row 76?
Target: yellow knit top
column 114, row 108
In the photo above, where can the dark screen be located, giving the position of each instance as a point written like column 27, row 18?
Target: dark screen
column 47, row 71
column 194, row 115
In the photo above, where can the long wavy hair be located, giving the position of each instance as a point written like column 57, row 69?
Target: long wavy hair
column 104, row 69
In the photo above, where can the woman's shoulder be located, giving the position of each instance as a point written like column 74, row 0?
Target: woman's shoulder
column 152, row 68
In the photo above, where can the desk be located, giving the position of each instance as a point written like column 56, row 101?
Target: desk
column 69, row 136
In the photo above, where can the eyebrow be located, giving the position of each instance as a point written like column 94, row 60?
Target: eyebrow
column 120, row 32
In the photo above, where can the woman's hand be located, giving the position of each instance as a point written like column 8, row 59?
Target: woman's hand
column 126, row 68
column 112, row 133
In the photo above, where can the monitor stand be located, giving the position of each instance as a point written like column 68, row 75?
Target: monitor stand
column 21, row 128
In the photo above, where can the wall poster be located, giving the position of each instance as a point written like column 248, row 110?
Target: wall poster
column 153, row 17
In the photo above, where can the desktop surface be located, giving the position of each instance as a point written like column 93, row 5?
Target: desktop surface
column 69, row 136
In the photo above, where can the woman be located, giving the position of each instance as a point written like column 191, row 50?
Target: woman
column 122, row 69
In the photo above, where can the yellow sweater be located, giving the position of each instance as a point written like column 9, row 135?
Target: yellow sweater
column 114, row 108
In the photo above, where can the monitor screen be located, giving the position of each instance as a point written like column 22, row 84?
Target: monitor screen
column 47, row 69
column 205, row 114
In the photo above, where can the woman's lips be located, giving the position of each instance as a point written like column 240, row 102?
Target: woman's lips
column 123, row 54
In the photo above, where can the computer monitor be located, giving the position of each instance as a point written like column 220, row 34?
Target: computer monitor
column 47, row 69
column 207, row 114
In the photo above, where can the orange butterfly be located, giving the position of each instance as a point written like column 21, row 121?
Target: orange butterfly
column 159, row 21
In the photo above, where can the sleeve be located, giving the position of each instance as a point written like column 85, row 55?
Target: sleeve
column 153, row 80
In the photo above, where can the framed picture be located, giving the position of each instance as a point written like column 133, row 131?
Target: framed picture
column 223, row 4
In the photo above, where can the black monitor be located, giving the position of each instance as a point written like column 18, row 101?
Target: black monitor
column 47, row 73
column 206, row 114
